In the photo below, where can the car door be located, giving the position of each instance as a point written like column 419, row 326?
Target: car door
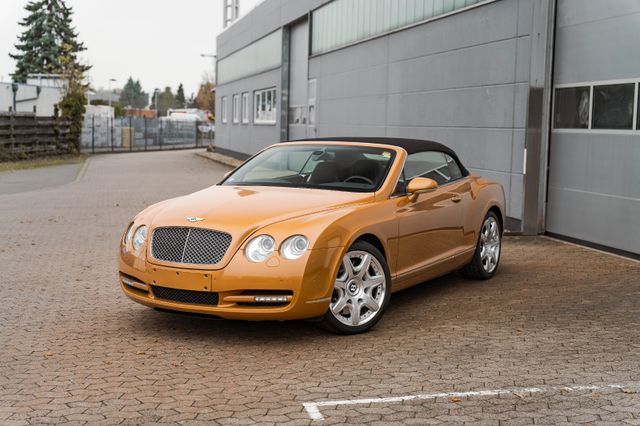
column 430, row 228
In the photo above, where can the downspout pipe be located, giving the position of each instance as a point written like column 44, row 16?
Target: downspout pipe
column 15, row 87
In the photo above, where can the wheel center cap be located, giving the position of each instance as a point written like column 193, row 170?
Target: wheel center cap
column 353, row 287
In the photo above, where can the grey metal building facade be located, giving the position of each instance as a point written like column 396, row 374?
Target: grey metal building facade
column 535, row 94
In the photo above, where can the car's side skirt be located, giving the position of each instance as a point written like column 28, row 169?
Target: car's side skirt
column 433, row 270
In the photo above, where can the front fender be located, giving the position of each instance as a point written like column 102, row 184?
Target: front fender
column 340, row 228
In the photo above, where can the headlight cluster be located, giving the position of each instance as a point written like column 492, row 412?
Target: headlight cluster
column 262, row 247
column 135, row 237
column 139, row 237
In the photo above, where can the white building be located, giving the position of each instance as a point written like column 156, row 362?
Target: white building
column 40, row 94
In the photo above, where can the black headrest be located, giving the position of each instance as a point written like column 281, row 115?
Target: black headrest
column 325, row 172
column 367, row 168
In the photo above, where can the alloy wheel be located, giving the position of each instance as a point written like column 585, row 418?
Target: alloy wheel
column 490, row 244
column 359, row 289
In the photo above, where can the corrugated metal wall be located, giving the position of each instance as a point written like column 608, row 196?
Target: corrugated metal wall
column 594, row 176
column 462, row 80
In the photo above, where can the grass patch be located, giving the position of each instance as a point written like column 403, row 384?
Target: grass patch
column 42, row 162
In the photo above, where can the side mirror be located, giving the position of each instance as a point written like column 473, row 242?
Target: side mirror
column 420, row 185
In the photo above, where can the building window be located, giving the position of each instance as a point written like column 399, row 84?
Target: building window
column 342, row 22
column 265, row 109
column 223, row 107
column 613, row 106
column 245, row 108
column 571, row 108
column 259, row 56
column 236, row 109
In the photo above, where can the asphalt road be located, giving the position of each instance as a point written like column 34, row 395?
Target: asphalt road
column 16, row 181
column 554, row 338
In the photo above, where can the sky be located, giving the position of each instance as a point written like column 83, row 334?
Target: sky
column 158, row 42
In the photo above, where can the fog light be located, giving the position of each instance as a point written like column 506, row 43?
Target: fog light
column 134, row 283
column 271, row 299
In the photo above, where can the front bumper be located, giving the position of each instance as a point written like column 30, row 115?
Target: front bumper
column 241, row 286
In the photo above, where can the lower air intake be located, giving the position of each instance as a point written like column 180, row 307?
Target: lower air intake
column 185, row 296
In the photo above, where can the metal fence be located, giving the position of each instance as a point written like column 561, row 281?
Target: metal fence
column 103, row 134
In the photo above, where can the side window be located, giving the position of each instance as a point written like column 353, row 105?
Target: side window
column 454, row 168
column 429, row 164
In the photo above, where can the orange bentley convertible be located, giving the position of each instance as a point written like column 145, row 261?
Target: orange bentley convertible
column 325, row 229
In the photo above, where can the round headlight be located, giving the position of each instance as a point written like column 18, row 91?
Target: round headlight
column 260, row 248
column 294, row 247
column 139, row 237
column 128, row 234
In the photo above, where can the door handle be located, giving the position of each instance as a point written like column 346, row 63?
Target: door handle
column 456, row 198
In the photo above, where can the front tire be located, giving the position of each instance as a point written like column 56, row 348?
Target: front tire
column 361, row 291
column 487, row 255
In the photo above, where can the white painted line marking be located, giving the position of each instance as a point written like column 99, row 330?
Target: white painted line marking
column 83, row 170
column 313, row 408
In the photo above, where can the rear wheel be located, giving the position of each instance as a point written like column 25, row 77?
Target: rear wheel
column 361, row 291
column 487, row 255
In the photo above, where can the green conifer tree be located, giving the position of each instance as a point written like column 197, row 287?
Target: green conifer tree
column 180, row 100
column 133, row 96
column 48, row 37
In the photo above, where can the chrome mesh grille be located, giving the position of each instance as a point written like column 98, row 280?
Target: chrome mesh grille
column 189, row 245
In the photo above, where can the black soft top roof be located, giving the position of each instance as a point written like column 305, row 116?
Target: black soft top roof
column 412, row 146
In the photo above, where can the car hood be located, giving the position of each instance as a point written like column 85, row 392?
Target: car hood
column 242, row 210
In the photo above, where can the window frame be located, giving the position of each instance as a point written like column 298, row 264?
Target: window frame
column 223, row 107
column 235, row 107
column 593, row 105
column 259, row 102
column 556, row 97
column 245, row 108
column 591, row 84
column 377, row 31
column 636, row 115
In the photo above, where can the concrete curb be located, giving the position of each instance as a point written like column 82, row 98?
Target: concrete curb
column 219, row 158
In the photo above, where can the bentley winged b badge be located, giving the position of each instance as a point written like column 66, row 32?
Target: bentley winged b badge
column 193, row 219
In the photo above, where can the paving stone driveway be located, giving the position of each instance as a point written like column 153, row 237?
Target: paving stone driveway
column 73, row 349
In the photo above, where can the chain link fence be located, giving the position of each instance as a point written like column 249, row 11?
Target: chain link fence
column 104, row 134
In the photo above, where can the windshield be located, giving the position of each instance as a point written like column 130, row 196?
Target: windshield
column 337, row 167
